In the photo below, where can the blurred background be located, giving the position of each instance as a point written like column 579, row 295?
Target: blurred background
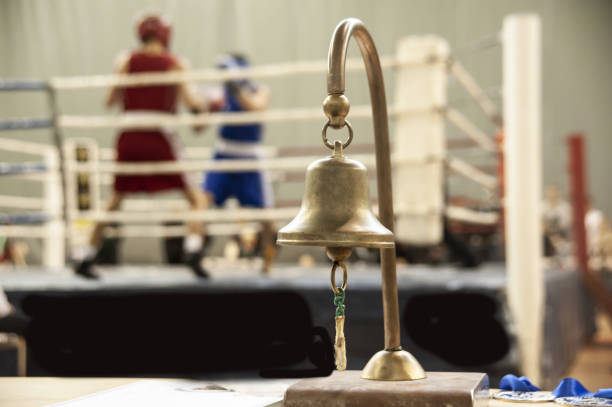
column 73, row 38
column 464, row 272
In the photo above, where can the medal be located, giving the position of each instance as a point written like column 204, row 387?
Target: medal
column 524, row 396
column 584, row 401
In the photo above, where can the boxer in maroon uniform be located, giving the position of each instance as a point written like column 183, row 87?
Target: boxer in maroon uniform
column 136, row 145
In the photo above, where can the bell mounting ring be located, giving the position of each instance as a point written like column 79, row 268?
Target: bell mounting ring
column 330, row 145
column 333, row 277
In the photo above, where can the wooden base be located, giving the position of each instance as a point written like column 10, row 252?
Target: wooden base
column 344, row 389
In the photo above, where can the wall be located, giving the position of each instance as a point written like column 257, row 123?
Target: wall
column 39, row 39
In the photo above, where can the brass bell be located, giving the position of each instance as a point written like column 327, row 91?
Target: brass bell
column 335, row 209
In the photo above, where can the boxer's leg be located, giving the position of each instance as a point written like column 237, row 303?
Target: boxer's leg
column 215, row 191
column 251, row 189
column 113, row 204
column 268, row 245
column 196, row 202
column 193, row 243
column 85, row 264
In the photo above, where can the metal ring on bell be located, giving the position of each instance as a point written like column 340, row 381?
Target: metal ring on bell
column 333, row 276
column 331, row 146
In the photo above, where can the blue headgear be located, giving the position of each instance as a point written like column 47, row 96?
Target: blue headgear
column 233, row 61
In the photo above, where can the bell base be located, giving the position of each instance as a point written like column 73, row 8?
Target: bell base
column 393, row 365
column 347, row 388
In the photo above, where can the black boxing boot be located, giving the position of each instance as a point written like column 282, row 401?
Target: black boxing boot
column 84, row 264
column 194, row 262
column 192, row 246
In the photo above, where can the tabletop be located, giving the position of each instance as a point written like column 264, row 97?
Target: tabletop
column 41, row 391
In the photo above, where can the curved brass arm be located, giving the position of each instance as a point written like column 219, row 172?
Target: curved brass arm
column 336, row 107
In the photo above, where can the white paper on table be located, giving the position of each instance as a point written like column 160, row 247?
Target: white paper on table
column 151, row 393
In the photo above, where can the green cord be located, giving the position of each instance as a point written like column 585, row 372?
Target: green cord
column 339, row 302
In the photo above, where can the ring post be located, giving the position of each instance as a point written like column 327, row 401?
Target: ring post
column 420, row 138
column 58, row 141
column 579, row 199
column 523, row 185
column 54, row 249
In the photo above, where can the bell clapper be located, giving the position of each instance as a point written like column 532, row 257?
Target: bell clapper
column 339, row 295
column 340, row 345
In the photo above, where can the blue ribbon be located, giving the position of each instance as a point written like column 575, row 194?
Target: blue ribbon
column 604, row 393
column 568, row 387
column 511, row 382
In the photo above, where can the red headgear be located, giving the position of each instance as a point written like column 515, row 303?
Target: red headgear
column 154, row 26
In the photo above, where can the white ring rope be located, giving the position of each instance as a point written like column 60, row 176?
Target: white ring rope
column 25, row 147
column 153, row 121
column 24, row 231
column 480, row 96
column 226, row 165
column 233, row 228
column 454, row 164
column 217, row 75
column 34, row 177
column 207, row 216
column 460, row 213
column 457, row 166
column 222, row 228
column 470, row 130
column 453, row 212
column 21, row 202
column 481, row 44
column 213, row 229
column 193, row 152
column 255, row 215
column 461, row 167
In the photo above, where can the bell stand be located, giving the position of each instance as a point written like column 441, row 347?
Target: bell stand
column 392, row 376
column 392, row 363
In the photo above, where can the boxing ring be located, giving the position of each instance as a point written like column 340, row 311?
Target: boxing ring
column 420, row 110
column 100, row 165
column 419, row 62
column 44, row 217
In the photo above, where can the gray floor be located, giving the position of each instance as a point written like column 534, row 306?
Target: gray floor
column 361, row 276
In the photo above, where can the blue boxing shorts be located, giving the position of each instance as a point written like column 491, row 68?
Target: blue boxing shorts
column 251, row 188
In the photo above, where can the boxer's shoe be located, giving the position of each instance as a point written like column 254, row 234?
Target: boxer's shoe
column 86, row 269
column 194, row 261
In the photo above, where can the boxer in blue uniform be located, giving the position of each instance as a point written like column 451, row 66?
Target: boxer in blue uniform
column 242, row 142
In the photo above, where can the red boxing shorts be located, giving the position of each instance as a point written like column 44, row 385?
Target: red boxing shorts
column 138, row 146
